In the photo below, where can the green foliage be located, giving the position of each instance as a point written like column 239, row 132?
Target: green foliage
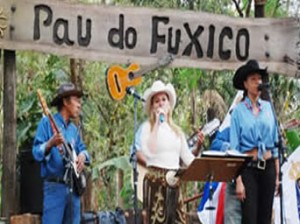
column 35, row 71
column 121, row 163
column 105, row 171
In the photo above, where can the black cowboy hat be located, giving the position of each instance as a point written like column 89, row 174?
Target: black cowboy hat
column 242, row 73
column 65, row 90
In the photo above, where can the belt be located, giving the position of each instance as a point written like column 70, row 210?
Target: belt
column 157, row 169
column 259, row 164
column 55, row 180
column 254, row 153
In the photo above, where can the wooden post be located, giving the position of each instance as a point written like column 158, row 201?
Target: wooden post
column 259, row 12
column 259, row 8
column 120, row 184
column 9, row 197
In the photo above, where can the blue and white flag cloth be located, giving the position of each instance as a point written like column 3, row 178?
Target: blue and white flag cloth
column 291, row 187
column 205, row 212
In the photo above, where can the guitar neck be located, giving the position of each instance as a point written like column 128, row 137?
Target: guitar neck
column 162, row 62
column 53, row 124
column 144, row 71
column 56, row 130
column 207, row 129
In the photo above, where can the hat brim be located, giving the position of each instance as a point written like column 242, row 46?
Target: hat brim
column 59, row 97
column 152, row 91
column 242, row 73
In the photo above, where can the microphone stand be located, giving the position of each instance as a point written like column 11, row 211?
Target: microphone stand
column 69, row 174
column 282, row 153
column 68, row 177
column 133, row 160
column 210, row 207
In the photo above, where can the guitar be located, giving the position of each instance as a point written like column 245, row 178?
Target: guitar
column 118, row 78
column 207, row 130
column 79, row 179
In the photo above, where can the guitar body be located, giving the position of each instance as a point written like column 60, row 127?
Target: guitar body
column 79, row 179
column 79, row 183
column 118, row 79
column 141, row 174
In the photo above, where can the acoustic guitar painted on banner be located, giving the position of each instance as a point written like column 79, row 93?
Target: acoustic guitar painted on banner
column 208, row 129
column 119, row 78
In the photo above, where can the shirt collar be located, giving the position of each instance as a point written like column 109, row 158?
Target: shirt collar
column 248, row 103
column 60, row 118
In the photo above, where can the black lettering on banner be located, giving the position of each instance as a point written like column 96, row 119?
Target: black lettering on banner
column 84, row 41
column 171, row 49
column 156, row 38
column 130, row 44
column 46, row 22
column 242, row 33
column 224, row 54
column 211, row 41
column 60, row 28
column 116, row 36
column 117, row 32
column 64, row 24
column 194, row 41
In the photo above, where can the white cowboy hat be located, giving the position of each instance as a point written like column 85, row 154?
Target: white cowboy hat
column 158, row 87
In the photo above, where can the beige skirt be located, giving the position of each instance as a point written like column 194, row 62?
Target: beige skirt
column 163, row 204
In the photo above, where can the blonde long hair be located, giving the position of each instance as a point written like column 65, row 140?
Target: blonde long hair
column 173, row 126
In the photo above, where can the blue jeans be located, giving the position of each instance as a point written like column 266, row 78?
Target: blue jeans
column 57, row 207
column 233, row 209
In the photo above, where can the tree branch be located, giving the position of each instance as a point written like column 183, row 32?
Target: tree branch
column 248, row 8
column 237, row 6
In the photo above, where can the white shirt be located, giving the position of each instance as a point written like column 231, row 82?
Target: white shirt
column 170, row 147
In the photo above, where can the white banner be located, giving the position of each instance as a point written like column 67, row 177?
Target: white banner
column 141, row 35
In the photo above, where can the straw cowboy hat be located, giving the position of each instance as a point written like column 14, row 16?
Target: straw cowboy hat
column 65, row 90
column 158, row 87
column 242, row 73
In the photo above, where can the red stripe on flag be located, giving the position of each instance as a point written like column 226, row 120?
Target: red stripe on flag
column 221, row 203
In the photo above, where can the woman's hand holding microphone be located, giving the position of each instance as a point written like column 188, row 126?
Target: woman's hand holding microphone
column 160, row 115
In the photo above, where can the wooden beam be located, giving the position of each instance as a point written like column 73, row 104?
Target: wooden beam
column 142, row 35
column 9, row 196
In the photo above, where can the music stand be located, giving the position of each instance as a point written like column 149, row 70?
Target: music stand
column 214, row 168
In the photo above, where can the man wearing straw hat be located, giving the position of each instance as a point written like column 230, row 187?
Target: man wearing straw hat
column 49, row 149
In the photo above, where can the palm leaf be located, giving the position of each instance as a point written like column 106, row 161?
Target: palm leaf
column 121, row 162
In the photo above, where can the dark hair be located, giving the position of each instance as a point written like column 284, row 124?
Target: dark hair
column 245, row 93
column 60, row 103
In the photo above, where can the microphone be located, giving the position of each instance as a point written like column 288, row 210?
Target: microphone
column 131, row 91
column 161, row 118
column 80, row 116
column 262, row 86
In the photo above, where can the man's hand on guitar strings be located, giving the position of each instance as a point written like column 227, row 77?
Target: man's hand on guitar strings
column 80, row 162
column 201, row 139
